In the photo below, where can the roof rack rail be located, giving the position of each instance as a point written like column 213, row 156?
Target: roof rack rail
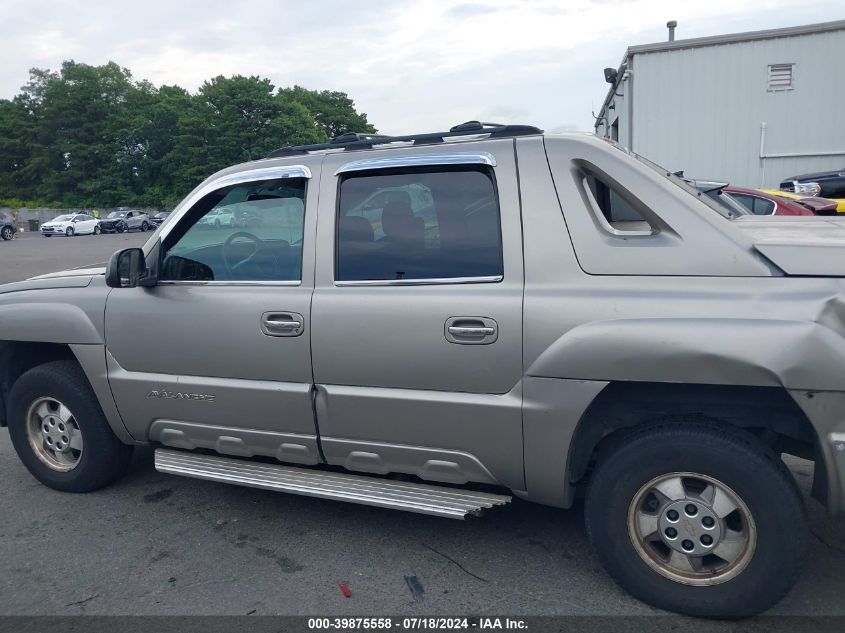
column 355, row 141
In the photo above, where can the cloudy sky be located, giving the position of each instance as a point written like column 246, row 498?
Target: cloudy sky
column 411, row 65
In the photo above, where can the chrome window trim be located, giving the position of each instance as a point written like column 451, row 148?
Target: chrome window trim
column 228, row 283
column 433, row 281
column 419, row 160
column 250, row 175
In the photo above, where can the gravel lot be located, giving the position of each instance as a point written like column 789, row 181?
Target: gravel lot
column 159, row 544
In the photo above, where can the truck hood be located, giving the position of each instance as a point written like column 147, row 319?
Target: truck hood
column 75, row 278
column 83, row 271
column 805, row 246
column 820, row 175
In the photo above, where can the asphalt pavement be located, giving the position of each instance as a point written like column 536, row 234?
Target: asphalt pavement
column 160, row 544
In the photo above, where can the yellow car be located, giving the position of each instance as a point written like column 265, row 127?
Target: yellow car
column 840, row 202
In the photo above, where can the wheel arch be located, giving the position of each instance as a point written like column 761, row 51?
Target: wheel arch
column 18, row 357
column 769, row 413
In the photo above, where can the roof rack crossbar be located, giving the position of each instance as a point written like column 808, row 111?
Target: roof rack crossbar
column 354, row 141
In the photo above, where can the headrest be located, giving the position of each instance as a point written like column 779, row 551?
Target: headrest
column 397, row 217
column 356, row 228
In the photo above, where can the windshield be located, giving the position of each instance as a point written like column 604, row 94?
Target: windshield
column 726, row 211
column 117, row 214
column 163, row 214
column 63, row 218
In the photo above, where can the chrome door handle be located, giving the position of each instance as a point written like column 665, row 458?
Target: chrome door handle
column 459, row 330
column 471, row 330
column 283, row 326
column 282, row 323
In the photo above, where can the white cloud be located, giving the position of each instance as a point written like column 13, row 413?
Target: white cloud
column 413, row 65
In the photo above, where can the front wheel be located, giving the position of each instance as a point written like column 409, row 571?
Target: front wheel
column 69, row 231
column 59, row 431
column 7, row 233
column 120, row 228
column 698, row 519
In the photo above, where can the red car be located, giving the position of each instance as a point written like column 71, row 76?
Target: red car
column 762, row 203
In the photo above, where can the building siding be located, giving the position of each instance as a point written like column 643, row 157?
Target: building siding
column 701, row 109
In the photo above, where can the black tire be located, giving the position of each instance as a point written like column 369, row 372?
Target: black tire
column 732, row 456
column 121, row 227
column 145, row 227
column 45, row 235
column 97, row 230
column 69, row 231
column 7, row 233
column 104, row 457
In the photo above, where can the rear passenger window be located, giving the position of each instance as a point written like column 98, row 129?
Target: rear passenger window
column 763, row 207
column 422, row 224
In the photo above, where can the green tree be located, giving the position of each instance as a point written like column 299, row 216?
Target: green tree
column 334, row 112
column 94, row 136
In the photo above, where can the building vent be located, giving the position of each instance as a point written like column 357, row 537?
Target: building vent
column 780, row 77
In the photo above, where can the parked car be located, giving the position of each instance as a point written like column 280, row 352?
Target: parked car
column 570, row 322
column 827, row 184
column 247, row 218
column 71, row 224
column 158, row 218
column 7, row 226
column 120, row 221
column 217, row 218
column 762, row 203
column 819, row 206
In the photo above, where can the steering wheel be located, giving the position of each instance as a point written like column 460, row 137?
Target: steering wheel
column 258, row 246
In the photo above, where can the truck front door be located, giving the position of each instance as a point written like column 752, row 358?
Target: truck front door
column 218, row 353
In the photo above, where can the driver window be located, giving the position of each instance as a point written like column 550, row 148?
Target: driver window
column 248, row 232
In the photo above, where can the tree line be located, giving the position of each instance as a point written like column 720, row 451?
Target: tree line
column 92, row 136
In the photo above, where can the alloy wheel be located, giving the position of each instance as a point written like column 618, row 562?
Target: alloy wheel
column 54, row 434
column 692, row 529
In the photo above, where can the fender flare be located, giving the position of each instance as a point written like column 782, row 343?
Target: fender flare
column 748, row 352
column 48, row 323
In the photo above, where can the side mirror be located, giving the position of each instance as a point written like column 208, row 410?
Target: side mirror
column 75, row 220
column 127, row 269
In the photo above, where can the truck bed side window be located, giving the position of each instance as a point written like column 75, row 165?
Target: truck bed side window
column 616, row 210
column 431, row 223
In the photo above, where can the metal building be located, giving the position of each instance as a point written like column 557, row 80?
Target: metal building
column 747, row 108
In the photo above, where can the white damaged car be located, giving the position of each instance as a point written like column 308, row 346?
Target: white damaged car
column 70, row 225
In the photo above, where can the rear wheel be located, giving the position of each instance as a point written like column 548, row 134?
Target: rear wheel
column 97, row 230
column 698, row 519
column 145, row 226
column 59, row 431
column 7, row 233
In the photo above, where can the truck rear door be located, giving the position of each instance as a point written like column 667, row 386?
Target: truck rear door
column 417, row 313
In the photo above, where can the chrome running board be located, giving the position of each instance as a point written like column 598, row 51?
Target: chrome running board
column 372, row 491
